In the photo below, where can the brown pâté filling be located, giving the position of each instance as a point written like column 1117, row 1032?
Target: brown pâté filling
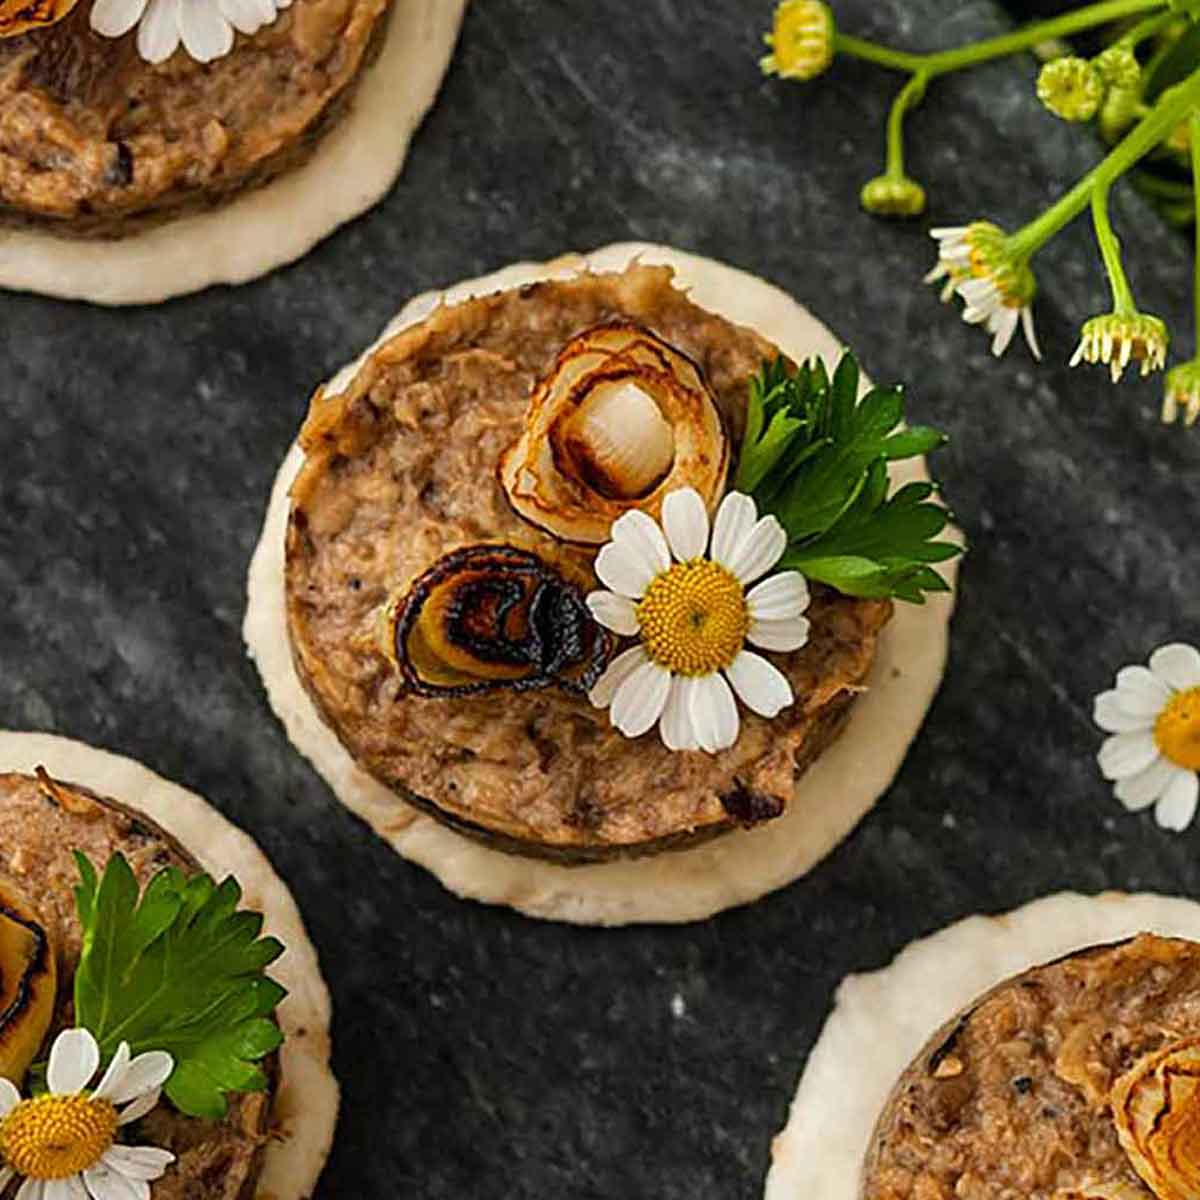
column 1015, row 1097
column 402, row 469
column 94, row 141
column 41, row 827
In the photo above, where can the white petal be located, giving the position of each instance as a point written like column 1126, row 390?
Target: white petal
column 1177, row 665
column 114, row 1074
column 625, row 571
column 685, row 522
column 139, row 1108
column 763, row 688
column 10, row 1097
column 735, row 520
column 675, row 727
column 714, row 713
column 31, row 1189
column 1030, row 333
column 147, row 1073
column 205, row 30
column 1112, row 718
column 115, row 18
column 618, row 671
column 7, row 1175
column 1005, row 328
column 1178, row 805
column 74, row 1058
column 1143, row 789
column 138, row 1162
column 70, row 1188
column 759, row 552
column 103, row 1183
column 1142, row 692
column 614, row 612
column 248, row 16
column 640, row 700
column 780, row 598
column 158, row 34
column 782, row 637
column 1126, row 754
column 640, row 532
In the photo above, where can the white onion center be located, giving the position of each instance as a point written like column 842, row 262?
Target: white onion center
column 621, row 442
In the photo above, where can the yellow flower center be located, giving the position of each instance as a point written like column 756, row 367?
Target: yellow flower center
column 1177, row 730
column 54, row 1137
column 694, row 618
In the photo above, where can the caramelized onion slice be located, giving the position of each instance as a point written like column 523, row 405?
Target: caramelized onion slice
column 20, row 16
column 1118, row 1189
column 1156, row 1108
column 622, row 419
column 27, row 983
column 490, row 617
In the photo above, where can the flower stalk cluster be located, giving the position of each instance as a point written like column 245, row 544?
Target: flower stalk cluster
column 1140, row 112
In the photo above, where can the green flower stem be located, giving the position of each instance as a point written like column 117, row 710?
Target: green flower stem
column 910, row 96
column 1110, row 251
column 1194, row 126
column 945, row 61
column 1172, row 107
column 1146, row 29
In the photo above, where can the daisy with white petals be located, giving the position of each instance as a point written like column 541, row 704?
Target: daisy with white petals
column 687, row 602
column 205, row 28
column 996, row 286
column 63, row 1144
column 1153, row 754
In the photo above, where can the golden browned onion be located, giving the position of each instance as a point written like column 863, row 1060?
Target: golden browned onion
column 621, row 420
column 20, row 16
column 488, row 617
column 1112, row 1190
column 1156, row 1108
column 27, row 983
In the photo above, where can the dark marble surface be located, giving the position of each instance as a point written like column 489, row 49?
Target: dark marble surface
column 482, row 1054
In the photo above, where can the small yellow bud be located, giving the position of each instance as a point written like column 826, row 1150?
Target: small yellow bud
column 1119, row 67
column 1071, row 88
column 893, row 196
column 802, row 40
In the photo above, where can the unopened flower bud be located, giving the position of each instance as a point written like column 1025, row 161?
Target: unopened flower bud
column 893, row 196
column 1071, row 88
column 802, row 40
column 1119, row 67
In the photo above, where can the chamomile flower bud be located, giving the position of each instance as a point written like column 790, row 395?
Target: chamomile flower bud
column 1119, row 67
column 893, row 196
column 1116, row 341
column 1071, row 88
column 1118, row 112
column 802, row 40
column 1182, row 394
column 996, row 287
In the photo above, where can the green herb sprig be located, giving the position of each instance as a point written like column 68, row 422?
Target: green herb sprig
column 178, row 969
column 816, row 457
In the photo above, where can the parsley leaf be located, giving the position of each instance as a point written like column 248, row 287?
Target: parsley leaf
column 816, row 456
column 181, row 970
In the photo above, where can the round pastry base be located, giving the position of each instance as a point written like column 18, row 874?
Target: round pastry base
column 352, row 169
column 305, row 1107
column 881, row 1021
column 687, row 885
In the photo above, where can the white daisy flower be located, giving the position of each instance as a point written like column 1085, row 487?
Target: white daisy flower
column 996, row 287
column 64, row 1144
column 1182, row 394
column 686, row 601
column 1154, row 716
column 1116, row 341
column 204, row 27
